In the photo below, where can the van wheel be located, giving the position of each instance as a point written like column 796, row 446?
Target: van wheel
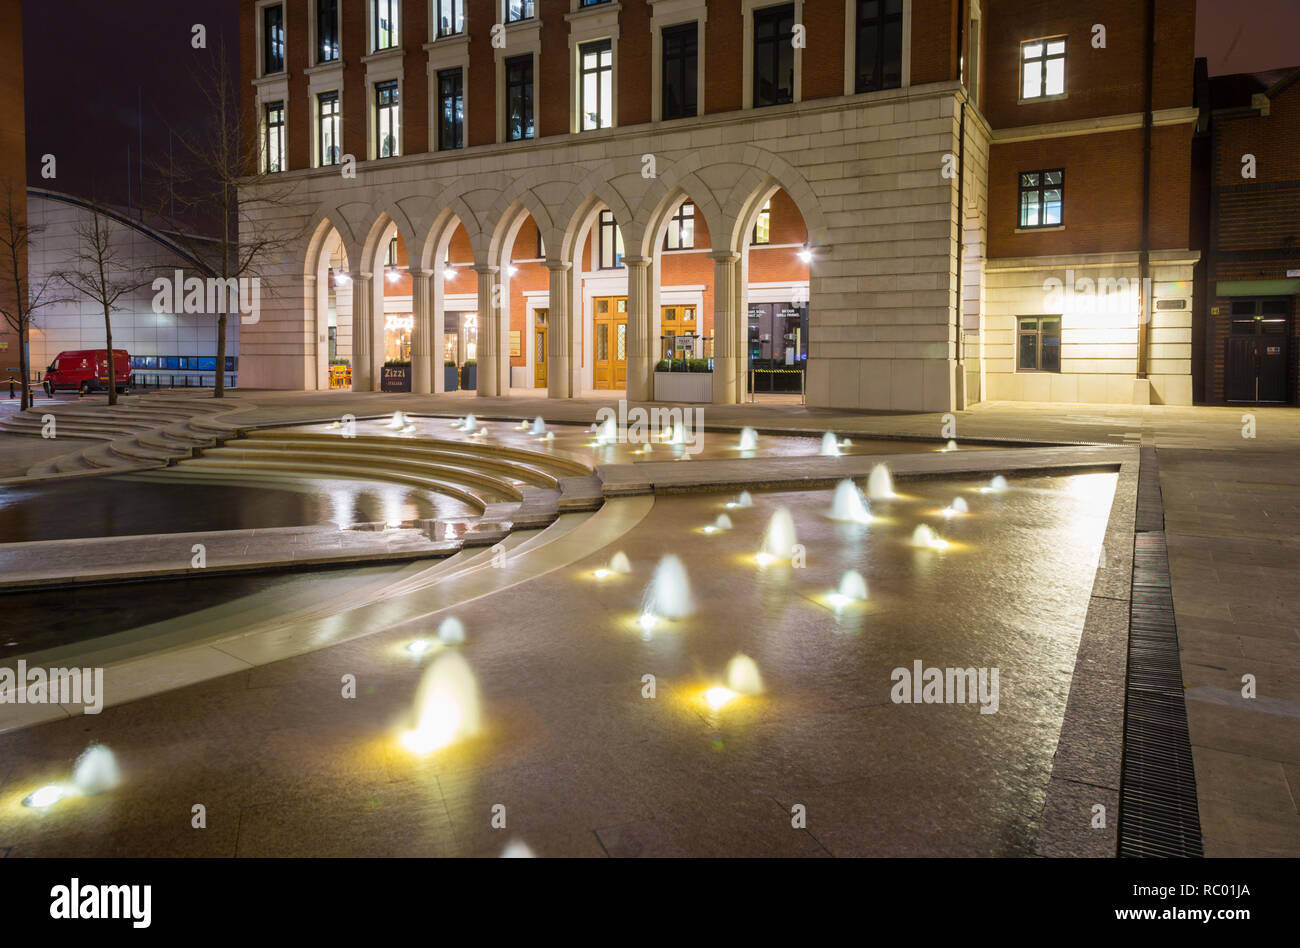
column 85, row 388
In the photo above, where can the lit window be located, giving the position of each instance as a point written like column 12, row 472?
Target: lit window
column 327, row 31
column 451, row 17
column 327, row 131
column 1042, row 198
column 451, row 109
column 610, row 241
column 387, row 120
column 1038, row 344
column 880, row 45
column 681, row 229
column 272, row 39
column 274, row 144
column 597, row 61
column 1042, row 68
column 391, row 259
column 763, row 226
column 519, row 98
column 517, row 10
column 385, row 16
column 774, row 55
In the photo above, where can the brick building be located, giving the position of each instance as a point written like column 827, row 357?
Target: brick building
column 1250, row 207
column 13, row 156
column 917, row 203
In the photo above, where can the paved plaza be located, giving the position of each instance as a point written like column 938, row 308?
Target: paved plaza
column 235, row 701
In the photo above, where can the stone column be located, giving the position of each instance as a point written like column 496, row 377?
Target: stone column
column 437, row 324
column 560, row 334
column 726, row 319
column 422, row 339
column 363, row 357
column 489, row 333
column 640, row 324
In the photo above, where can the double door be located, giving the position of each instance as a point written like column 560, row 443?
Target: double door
column 1256, row 360
column 610, row 337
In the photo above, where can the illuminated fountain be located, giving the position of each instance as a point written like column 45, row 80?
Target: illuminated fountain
column 446, row 705
column 853, row 588
column 96, row 770
column 780, row 538
column 880, row 485
column 830, row 445
column 397, row 421
column 539, row 427
column 999, row 483
column 849, row 505
column 958, row 506
column 469, row 425
column 748, row 439
column 950, row 446
column 451, row 631
column 742, row 679
column 619, row 563
column 607, row 432
column 722, row 523
column 926, row 538
column 669, row 594
column 744, row 500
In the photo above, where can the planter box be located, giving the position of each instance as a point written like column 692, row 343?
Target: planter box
column 469, row 377
column 449, row 378
column 396, row 378
column 684, row 387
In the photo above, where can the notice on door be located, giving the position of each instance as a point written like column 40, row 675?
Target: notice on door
column 1274, row 350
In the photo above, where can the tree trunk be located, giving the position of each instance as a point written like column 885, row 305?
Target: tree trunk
column 219, row 389
column 24, row 368
column 112, row 369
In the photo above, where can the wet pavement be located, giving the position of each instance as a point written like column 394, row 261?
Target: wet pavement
column 583, row 761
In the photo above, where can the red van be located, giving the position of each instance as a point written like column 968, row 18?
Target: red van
column 86, row 370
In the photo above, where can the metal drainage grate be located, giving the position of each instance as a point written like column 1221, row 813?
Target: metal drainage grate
column 1158, row 812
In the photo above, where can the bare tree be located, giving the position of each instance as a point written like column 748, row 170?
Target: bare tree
column 205, row 181
column 99, row 273
column 20, row 301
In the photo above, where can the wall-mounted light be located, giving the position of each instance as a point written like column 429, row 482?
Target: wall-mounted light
column 342, row 279
column 449, row 273
column 805, row 255
column 511, row 270
column 393, row 276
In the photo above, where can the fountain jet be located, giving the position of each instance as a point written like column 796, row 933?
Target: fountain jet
column 830, row 445
column 849, row 505
column 539, row 427
column 446, row 705
column 669, row 594
column 96, row 770
column 923, row 536
column 748, row 439
column 880, row 485
column 780, row 539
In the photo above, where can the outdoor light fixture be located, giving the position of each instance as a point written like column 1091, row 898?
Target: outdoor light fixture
column 449, row 273
column 805, row 255
column 418, row 647
column 46, row 796
column 393, row 276
column 342, row 279
column 719, row 696
column 511, row 270
column 602, row 573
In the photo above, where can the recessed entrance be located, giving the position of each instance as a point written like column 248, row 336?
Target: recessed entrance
column 1256, row 360
column 610, row 323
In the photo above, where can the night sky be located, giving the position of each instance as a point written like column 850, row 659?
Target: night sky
column 89, row 60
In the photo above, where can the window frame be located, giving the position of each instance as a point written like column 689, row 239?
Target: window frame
column 605, row 220
column 281, row 138
column 337, row 122
column 1042, row 61
column 604, row 109
column 395, row 107
column 454, row 6
column 335, row 33
column 1041, row 189
column 507, row 15
column 765, row 212
column 440, row 77
column 267, row 42
column 673, row 236
column 395, row 32
column 881, row 23
column 1038, row 333
column 686, row 68
column 778, row 44
column 510, row 63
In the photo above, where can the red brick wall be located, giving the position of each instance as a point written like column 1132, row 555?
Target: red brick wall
column 723, row 39
column 634, row 65
column 823, row 60
column 415, row 78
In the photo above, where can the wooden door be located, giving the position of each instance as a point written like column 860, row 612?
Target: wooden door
column 541, row 350
column 610, row 342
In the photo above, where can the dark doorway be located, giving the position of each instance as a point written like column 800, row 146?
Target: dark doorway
column 1256, row 360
